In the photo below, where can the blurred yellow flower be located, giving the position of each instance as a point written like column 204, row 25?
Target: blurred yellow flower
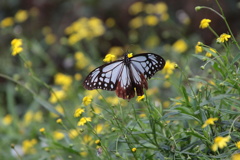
column 166, row 104
column 28, row 117
column 57, row 95
column 59, row 109
column 50, row 38
column 152, row 41
column 42, row 130
column 62, row 79
column 134, row 149
column 136, row 8
column 136, row 22
column 180, row 46
column 84, row 120
column 87, row 100
column 81, row 60
column 109, row 58
column 84, row 28
column 73, row 133
column 139, row 98
column 110, row 22
column 97, row 141
column 130, row 55
column 209, row 121
column 169, row 67
column 59, row 120
column 161, row 8
column 77, row 76
column 149, row 8
column 58, row 135
column 236, row 156
column 78, row 112
column 16, row 46
column 209, row 54
column 115, row 50
column 96, row 27
column 223, row 38
column 238, row 144
column 151, row 20
column 7, row 22
column 220, row 142
column 21, row 16
column 7, row 120
column 98, row 128
column 204, row 23
column 198, row 48
column 28, row 146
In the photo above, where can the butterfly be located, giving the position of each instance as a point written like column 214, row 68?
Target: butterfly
column 126, row 76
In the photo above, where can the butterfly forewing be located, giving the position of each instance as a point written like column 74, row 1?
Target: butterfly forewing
column 148, row 63
column 104, row 77
column 125, row 76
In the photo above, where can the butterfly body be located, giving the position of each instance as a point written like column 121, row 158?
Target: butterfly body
column 125, row 76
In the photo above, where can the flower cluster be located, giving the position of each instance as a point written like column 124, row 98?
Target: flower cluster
column 84, row 28
column 16, row 46
column 155, row 13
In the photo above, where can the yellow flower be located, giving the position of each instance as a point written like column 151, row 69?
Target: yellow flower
column 50, row 38
column 84, row 120
column 220, row 142
column 110, row 22
column 151, row 20
column 209, row 121
column 78, row 112
column 58, row 135
column 81, row 60
column 98, row 128
column 117, row 51
column 169, row 67
column 161, row 8
column 77, row 76
column 130, row 55
column 223, row 38
column 180, row 46
column 198, row 48
column 236, row 155
column 7, row 22
column 97, row 142
column 59, row 120
column 209, row 54
column 21, row 16
column 136, row 8
column 136, row 22
column 238, row 144
column 96, row 27
column 42, row 130
column 73, row 133
column 16, row 46
column 87, row 100
column 139, row 98
column 57, row 95
column 149, row 8
column 62, row 79
column 59, row 109
column 134, row 149
column 7, row 120
column 109, row 58
column 28, row 146
column 204, row 23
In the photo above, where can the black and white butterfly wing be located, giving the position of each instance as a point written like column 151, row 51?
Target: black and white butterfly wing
column 125, row 76
column 147, row 64
column 104, row 77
